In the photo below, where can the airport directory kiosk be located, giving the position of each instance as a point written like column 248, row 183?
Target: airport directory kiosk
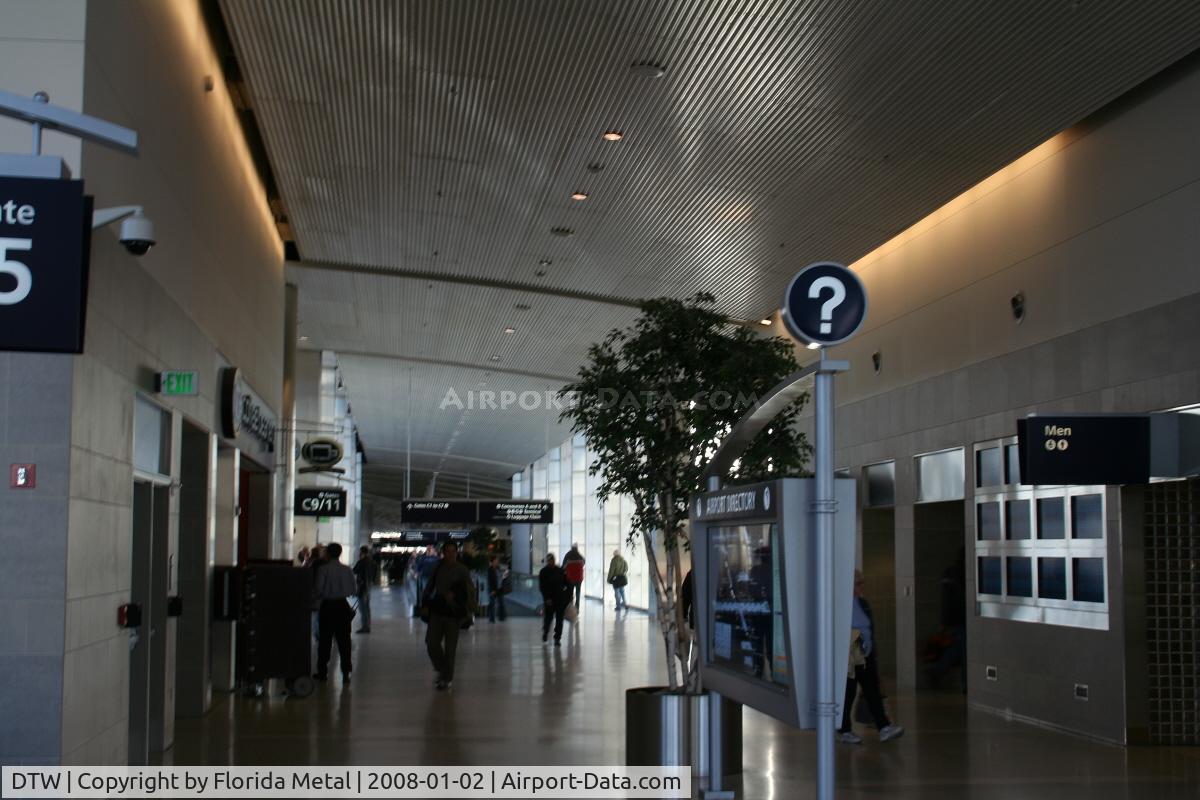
column 754, row 571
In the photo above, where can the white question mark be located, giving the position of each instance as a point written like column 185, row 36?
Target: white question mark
column 835, row 300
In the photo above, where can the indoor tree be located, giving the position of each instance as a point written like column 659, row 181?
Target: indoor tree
column 654, row 401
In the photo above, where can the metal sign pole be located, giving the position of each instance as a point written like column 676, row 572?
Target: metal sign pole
column 716, row 764
column 824, row 507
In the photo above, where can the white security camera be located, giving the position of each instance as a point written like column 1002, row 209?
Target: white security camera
column 137, row 234
column 137, row 231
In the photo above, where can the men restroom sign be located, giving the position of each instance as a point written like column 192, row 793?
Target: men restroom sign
column 1085, row 449
column 45, row 240
column 824, row 304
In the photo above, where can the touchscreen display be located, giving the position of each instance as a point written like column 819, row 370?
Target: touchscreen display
column 746, row 624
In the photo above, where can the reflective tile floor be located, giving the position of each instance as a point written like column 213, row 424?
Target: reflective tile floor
column 516, row 701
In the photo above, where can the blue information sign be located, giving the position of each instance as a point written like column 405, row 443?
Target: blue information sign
column 824, row 304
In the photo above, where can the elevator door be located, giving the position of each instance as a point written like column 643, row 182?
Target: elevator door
column 147, row 592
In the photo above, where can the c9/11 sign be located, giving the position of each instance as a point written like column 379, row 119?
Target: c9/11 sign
column 320, row 503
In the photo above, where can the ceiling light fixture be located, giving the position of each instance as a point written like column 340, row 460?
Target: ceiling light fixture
column 510, row 329
column 495, row 358
column 764, row 321
column 814, row 346
column 579, row 196
column 612, row 136
column 522, row 306
column 541, row 273
column 564, row 232
column 304, row 338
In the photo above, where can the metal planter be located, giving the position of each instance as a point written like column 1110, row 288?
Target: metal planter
column 669, row 730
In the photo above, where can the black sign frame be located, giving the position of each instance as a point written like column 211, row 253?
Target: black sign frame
column 804, row 316
column 303, row 496
column 52, row 318
column 1084, row 449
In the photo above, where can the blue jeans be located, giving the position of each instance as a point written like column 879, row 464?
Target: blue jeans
column 619, row 593
column 496, row 607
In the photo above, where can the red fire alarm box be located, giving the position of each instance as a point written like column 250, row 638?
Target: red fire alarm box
column 22, row 476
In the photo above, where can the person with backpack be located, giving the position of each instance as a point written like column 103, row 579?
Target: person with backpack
column 448, row 605
column 573, row 563
column 618, row 572
column 556, row 596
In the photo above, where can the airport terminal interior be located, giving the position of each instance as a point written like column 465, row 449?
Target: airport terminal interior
column 658, row 353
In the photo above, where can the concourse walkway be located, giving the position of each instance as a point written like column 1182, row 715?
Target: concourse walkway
column 516, row 701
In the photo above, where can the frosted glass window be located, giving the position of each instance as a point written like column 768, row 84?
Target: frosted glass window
column 989, row 467
column 1012, row 464
column 151, row 438
column 881, row 484
column 940, row 476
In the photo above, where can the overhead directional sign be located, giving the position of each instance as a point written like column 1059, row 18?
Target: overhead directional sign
column 320, row 503
column 824, row 304
column 507, row 512
column 1084, row 449
column 487, row 512
column 45, row 240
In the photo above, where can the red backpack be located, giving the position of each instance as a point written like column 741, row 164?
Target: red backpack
column 574, row 571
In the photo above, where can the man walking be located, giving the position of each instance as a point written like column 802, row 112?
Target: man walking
column 556, row 594
column 497, row 588
column 334, row 583
column 573, row 563
column 365, row 573
column 447, row 603
column 618, row 570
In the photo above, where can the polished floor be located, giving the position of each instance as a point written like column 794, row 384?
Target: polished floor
column 516, row 701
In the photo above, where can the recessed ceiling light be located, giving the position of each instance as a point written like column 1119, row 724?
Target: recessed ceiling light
column 545, row 262
column 648, row 69
column 579, row 196
column 562, row 232
column 304, row 338
column 764, row 321
column 522, row 306
column 612, row 136
column 814, row 346
column 495, row 358
column 541, row 273
column 510, row 329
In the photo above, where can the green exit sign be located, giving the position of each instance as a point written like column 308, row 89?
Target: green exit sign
column 179, row 382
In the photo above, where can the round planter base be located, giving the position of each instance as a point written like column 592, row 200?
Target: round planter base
column 671, row 730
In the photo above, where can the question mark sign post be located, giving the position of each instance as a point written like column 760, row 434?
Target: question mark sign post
column 824, row 304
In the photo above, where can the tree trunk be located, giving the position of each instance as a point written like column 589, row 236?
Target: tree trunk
column 666, row 615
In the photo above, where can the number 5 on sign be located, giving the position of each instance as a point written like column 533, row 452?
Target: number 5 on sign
column 16, row 269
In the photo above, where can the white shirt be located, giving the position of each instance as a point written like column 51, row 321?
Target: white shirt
column 336, row 581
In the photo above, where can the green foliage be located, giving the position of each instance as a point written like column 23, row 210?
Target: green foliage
column 657, row 398
column 474, row 554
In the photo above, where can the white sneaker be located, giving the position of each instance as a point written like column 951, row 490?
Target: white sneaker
column 890, row 732
column 849, row 737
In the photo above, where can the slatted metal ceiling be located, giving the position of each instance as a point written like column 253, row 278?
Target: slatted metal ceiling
column 443, row 137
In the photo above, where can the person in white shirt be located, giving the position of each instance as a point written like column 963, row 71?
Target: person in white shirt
column 334, row 583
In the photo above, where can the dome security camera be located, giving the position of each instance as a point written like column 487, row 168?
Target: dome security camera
column 137, row 234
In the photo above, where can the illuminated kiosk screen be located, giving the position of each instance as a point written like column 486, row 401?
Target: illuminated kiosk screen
column 747, row 606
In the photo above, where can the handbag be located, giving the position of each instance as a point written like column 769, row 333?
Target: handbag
column 571, row 613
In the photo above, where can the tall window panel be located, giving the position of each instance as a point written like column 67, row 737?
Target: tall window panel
column 1040, row 551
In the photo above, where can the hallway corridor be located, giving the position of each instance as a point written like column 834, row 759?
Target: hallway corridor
column 516, row 701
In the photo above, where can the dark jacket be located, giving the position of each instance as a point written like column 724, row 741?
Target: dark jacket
column 493, row 579
column 552, row 581
column 365, row 572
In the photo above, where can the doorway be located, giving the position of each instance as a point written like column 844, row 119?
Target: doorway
column 939, row 575
column 879, row 575
column 254, row 512
column 148, row 592
column 193, row 677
